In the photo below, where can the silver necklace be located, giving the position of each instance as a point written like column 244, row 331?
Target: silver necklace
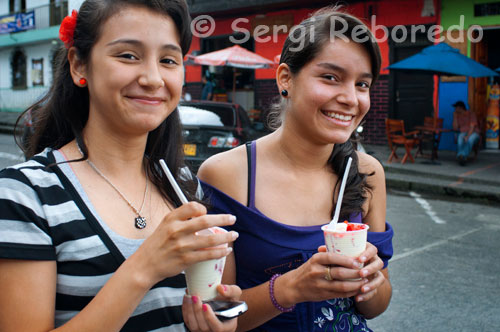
column 139, row 221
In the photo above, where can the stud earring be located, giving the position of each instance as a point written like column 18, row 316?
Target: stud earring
column 284, row 93
column 82, row 81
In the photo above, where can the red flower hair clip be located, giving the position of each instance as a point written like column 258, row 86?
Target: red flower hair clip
column 67, row 29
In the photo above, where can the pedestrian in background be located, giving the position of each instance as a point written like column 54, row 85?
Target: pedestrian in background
column 208, row 88
column 465, row 123
column 93, row 237
column 284, row 186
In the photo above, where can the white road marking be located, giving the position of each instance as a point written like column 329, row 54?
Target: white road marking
column 434, row 244
column 427, row 208
column 11, row 156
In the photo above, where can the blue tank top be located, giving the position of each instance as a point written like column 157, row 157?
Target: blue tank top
column 266, row 247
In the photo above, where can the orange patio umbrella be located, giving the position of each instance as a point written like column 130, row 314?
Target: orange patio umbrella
column 234, row 56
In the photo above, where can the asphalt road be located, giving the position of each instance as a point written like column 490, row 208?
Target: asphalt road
column 10, row 154
column 445, row 269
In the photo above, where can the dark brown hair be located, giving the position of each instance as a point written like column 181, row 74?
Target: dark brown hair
column 60, row 116
column 302, row 45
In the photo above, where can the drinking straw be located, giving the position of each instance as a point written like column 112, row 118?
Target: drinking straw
column 341, row 194
column 172, row 181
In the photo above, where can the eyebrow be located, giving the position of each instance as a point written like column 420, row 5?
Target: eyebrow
column 331, row 66
column 136, row 42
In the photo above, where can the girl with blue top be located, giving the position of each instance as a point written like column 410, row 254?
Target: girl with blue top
column 283, row 187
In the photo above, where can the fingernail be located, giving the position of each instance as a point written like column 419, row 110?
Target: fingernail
column 366, row 289
column 204, row 307
column 232, row 218
column 234, row 235
column 360, row 298
column 194, row 299
column 358, row 265
column 363, row 259
column 229, row 250
column 364, row 273
column 224, row 287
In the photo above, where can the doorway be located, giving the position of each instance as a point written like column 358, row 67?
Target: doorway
column 411, row 93
column 486, row 52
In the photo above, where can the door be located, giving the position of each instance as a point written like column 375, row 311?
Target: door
column 478, row 87
column 411, row 92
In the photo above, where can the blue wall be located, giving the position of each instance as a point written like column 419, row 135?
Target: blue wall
column 449, row 93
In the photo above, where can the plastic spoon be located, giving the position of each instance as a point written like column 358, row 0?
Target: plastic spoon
column 335, row 219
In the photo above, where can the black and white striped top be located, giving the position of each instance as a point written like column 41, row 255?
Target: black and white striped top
column 45, row 216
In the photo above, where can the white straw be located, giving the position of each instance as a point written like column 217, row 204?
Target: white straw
column 174, row 184
column 341, row 194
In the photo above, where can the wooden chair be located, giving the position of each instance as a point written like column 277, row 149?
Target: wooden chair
column 397, row 136
column 430, row 135
column 254, row 115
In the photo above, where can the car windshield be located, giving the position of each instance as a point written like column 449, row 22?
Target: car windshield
column 206, row 116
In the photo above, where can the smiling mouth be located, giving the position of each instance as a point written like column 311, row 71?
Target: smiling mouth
column 338, row 116
column 147, row 100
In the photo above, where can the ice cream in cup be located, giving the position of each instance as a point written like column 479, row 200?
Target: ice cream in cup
column 345, row 238
column 202, row 278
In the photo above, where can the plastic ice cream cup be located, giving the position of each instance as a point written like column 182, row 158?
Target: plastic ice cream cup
column 202, row 278
column 347, row 239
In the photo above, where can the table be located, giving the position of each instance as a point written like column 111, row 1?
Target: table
column 435, row 133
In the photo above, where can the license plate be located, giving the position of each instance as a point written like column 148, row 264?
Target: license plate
column 190, row 149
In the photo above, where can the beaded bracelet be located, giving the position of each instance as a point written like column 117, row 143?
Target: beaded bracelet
column 273, row 299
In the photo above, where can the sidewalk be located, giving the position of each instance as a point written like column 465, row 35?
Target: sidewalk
column 479, row 179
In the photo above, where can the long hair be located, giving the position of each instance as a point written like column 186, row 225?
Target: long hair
column 302, row 45
column 61, row 115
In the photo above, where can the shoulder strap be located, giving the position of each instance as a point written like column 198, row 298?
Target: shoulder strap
column 251, row 160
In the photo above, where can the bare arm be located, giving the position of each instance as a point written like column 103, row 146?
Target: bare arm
column 28, row 288
column 374, row 301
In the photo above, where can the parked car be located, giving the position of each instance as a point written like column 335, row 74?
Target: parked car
column 211, row 127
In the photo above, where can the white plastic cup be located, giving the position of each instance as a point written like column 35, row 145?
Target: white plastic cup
column 347, row 243
column 203, row 278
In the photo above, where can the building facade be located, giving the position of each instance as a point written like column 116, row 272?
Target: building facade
column 483, row 45
column 262, row 27
column 29, row 41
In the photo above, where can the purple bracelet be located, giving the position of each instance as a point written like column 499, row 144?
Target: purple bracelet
column 273, row 299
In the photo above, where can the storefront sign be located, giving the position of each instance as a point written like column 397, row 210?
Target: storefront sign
column 492, row 114
column 17, row 22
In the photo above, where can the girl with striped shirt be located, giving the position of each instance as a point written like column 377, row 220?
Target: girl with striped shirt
column 92, row 236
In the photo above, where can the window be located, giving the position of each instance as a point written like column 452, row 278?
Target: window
column 16, row 6
column 18, row 65
column 37, row 71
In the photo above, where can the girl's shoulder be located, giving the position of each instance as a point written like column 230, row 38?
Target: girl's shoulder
column 228, row 172
column 369, row 164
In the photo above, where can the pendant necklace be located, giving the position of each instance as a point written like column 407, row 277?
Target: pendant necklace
column 139, row 221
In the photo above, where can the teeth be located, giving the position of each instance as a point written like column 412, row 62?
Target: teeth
column 339, row 116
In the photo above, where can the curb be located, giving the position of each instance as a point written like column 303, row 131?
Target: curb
column 441, row 187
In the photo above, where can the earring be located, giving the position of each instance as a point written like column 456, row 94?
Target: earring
column 82, row 81
column 284, row 93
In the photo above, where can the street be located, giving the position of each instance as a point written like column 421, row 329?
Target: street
column 10, row 153
column 445, row 267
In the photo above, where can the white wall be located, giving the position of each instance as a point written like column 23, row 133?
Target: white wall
column 20, row 99
column 37, row 52
column 74, row 4
column 36, row 3
column 4, row 7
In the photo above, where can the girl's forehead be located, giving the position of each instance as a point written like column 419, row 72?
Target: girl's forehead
column 141, row 23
